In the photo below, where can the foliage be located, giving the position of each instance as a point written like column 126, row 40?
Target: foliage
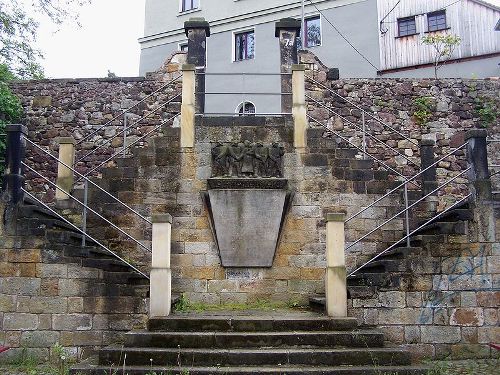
column 443, row 46
column 18, row 31
column 487, row 110
column 61, row 359
column 422, row 111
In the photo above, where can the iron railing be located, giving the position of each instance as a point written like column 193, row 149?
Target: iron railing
column 3, row 147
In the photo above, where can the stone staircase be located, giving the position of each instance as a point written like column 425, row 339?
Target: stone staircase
column 281, row 342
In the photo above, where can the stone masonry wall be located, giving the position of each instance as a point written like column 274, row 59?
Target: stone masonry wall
column 48, row 296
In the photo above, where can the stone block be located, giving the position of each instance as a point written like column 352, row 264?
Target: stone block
column 412, row 334
column 72, row 322
column 469, row 335
column 414, row 299
column 20, row 286
column 225, row 286
column 440, row 334
column 39, row 339
column 24, row 256
column 7, row 303
column 20, row 322
column 467, row 317
column 468, row 299
column 392, row 299
column 491, row 317
column 488, row 334
column 49, row 287
column 393, row 334
column 44, row 322
column 87, row 338
column 39, row 305
column 440, row 317
column 467, row 351
column 75, row 304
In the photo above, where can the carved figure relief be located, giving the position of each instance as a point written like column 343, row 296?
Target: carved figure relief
column 246, row 159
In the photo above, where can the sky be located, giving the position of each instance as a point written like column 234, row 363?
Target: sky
column 107, row 40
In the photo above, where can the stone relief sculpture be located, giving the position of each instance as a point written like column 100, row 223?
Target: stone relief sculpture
column 246, row 159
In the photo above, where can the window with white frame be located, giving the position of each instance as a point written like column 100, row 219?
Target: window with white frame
column 407, row 26
column 246, row 108
column 244, row 45
column 189, row 5
column 436, row 20
column 312, row 26
column 183, row 47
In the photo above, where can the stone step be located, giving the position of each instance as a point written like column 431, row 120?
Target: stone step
column 384, row 280
column 251, row 370
column 214, row 339
column 106, row 264
column 256, row 357
column 444, row 227
column 250, row 323
column 402, row 252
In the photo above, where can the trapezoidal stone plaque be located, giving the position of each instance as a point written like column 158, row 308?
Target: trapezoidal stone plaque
column 247, row 216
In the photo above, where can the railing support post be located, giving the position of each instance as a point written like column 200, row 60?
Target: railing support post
column 187, row 106
column 160, row 290
column 299, row 110
column 336, row 279
column 429, row 180
column 13, row 180
column 65, row 177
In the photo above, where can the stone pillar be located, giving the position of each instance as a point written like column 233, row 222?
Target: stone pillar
column 287, row 30
column 429, row 181
column 13, row 180
column 477, row 160
column 160, row 289
column 299, row 110
column 65, row 177
column 187, row 106
column 197, row 31
column 336, row 278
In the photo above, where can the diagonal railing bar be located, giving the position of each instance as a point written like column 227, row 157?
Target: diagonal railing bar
column 360, row 149
column 409, row 179
column 241, row 74
column 128, row 109
column 84, row 233
column 126, row 129
column 361, row 109
column 364, row 132
column 90, row 181
column 353, row 273
column 87, row 208
column 130, row 145
column 407, row 208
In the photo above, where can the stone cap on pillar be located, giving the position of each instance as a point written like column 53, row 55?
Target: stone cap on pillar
column 11, row 128
column 335, row 216
column 298, row 67
column 287, row 24
column 161, row 218
column 476, row 133
column 188, row 67
column 66, row 141
column 427, row 142
column 197, row 23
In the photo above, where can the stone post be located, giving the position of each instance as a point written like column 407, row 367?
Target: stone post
column 287, row 30
column 197, row 31
column 299, row 110
column 65, row 177
column 480, row 185
column 160, row 289
column 187, row 106
column 429, row 181
column 13, row 180
column 336, row 278
column 477, row 160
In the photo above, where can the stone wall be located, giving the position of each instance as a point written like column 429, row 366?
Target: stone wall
column 49, row 295
column 448, row 306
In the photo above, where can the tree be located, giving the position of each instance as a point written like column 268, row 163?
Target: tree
column 443, row 45
column 18, row 31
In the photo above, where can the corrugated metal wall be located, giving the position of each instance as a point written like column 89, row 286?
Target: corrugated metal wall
column 474, row 23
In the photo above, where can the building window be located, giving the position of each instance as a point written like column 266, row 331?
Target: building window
column 244, row 46
column 246, row 108
column 436, row 21
column 183, row 47
column 188, row 5
column 407, row 26
column 312, row 25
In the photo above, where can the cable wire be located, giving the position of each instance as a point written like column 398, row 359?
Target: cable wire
column 343, row 37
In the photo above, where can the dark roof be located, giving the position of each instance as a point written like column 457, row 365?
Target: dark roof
column 486, row 4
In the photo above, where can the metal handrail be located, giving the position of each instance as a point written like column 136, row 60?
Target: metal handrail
column 410, row 234
column 407, row 208
column 363, row 131
column 89, row 181
column 130, row 145
column 125, row 129
column 242, row 93
column 128, row 109
column 404, row 183
column 361, row 109
column 243, row 114
column 86, row 207
column 359, row 149
column 84, row 233
column 241, row 74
